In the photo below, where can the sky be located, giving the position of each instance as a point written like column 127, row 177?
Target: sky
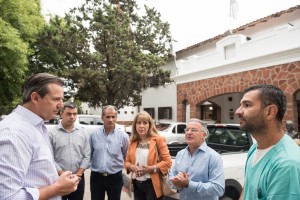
column 194, row 21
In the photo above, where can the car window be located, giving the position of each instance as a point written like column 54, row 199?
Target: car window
column 181, row 128
column 227, row 136
column 99, row 121
column 86, row 120
column 163, row 127
column 174, row 129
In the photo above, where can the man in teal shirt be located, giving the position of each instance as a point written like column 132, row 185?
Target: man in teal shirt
column 273, row 165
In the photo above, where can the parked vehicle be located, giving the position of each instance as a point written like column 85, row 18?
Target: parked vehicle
column 233, row 145
column 89, row 119
column 88, row 122
column 172, row 131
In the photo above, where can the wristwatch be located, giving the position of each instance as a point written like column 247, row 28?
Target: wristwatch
column 155, row 169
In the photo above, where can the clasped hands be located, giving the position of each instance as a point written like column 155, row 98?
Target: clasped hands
column 181, row 180
column 140, row 171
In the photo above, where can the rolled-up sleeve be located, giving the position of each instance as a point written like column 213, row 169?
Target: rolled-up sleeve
column 85, row 164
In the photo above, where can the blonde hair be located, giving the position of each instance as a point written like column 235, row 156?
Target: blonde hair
column 145, row 117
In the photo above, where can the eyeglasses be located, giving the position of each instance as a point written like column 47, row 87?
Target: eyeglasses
column 193, row 130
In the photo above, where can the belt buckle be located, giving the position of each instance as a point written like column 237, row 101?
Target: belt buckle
column 105, row 174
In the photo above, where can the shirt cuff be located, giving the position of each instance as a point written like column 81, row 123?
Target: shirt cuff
column 194, row 185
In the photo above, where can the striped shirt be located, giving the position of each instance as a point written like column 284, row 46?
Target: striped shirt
column 26, row 161
column 71, row 149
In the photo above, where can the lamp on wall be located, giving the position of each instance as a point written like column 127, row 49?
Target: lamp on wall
column 210, row 108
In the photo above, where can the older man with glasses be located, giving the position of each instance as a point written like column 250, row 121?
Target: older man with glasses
column 198, row 170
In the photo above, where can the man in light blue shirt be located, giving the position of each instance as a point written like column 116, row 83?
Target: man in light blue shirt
column 197, row 172
column 27, row 169
column 109, row 146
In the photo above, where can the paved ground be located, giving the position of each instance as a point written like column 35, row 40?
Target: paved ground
column 87, row 194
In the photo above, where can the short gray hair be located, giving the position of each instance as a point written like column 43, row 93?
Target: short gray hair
column 203, row 125
column 109, row 107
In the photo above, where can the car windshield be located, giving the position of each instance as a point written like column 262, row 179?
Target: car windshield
column 227, row 135
column 163, row 127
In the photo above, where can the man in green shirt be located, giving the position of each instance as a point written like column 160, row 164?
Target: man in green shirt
column 273, row 165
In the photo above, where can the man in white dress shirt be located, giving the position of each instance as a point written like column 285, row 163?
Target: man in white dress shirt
column 27, row 169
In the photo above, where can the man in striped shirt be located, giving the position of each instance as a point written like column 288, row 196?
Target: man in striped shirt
column 27, row 169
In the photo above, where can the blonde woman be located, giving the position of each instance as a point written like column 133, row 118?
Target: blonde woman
column 142, row 158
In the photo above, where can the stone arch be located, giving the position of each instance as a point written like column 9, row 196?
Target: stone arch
column 285, row 76
column 215, row 113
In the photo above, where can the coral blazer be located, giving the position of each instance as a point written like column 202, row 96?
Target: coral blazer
column 164, row 165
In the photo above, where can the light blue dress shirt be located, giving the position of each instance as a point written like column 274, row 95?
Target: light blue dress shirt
column 206, row 172
column 108, row 152
column 71, row 149
column 26, row 161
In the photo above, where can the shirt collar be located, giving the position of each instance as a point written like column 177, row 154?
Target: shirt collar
column 60, row 126
column 30, row 116
column 202, row 147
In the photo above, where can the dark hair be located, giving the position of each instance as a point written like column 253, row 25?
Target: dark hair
column 68, row 105
column 39, row 83
column 270, row 94
column 109, row 107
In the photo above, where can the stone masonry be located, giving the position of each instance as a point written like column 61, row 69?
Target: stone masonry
column 285, row 76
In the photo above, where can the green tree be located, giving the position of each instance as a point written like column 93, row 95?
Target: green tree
column 109, row 50
column 20, row 22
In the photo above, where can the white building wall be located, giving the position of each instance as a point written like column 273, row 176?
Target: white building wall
column 126, row 114
column 161, row 96
column 266, row 44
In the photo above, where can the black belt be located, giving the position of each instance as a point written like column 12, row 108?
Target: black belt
column 107, row 174
column 145, row 181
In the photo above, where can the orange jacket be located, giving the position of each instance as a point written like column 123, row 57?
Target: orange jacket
column 164, row 165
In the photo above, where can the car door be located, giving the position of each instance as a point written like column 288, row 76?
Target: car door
column 179, row 130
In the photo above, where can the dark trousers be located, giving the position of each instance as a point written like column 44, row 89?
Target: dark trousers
column 112, row 184
column 144, row 190
column 79, row 193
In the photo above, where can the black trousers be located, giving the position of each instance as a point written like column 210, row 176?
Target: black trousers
column 144, row 190
column 79, row 193
column 112, row 184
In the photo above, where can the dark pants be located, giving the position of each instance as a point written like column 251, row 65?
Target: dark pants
column 78, row 194
column 144, row 190
column 112, row 184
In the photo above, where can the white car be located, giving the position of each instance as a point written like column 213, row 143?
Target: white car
column 88, row 122
column 172, row 131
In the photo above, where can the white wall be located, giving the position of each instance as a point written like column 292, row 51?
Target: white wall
column 126, row 114
column 161, row 96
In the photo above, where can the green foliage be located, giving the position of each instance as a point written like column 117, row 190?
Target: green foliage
column 20, row 21
column 108, row 50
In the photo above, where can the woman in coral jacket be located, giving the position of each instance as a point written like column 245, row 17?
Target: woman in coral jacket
column 142, row 159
